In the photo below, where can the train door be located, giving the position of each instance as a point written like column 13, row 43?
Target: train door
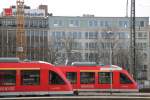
column 56, row 84
column 105, row 81
column 87, row 81
column 72, row 77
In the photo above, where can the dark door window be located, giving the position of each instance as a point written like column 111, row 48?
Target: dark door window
column 54, row 78
column 72, row 77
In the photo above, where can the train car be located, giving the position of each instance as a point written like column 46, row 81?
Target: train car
column 18, row 78
column 88, row 78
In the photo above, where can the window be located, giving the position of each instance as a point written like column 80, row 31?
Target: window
column 87, row 77
column 30, row 77
column 124, row 79
column 91, row 35
column 54, row 78
column 58, row 34
column 102, row 23
column 140, row 34
column 123, row 24
column 58, row 23
column 107, row 23
column 105, row 77
column 93, row 23
column 123, row 35
column 72, row 77
column 74, row 23
column 141, row 23
column 7, row 77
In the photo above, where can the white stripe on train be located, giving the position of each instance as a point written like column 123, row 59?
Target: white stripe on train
column 107, row 90
column 36, row 93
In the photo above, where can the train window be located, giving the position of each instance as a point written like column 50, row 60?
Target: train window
column 30, row 77
column 105, row 77
column 72, row 77
column 7, row 77
column 54, row 78
column 87, row 77
column 124, row 79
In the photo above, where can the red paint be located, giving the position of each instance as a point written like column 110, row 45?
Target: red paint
column 7, row 12
column 96, row 69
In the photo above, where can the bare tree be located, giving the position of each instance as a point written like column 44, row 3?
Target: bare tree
column 111, row 48
column 71, row 55
column 53, row 50
column 107, row 42
column 62, row 50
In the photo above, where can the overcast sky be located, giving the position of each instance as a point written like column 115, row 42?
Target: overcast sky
column 99, row 8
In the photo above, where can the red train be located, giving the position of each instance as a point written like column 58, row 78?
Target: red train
column 99, row 78
column 41, row 78
column 32, row 78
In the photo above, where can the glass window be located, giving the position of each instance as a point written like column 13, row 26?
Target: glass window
column 124, row 79
column 7, row 77
column 72, row 77
column 58, row 23
column 140, row 34
column 101, row 23
column 86, row 35
column 123, row 24
column 93, row 23
column 105, row 77
column 142, row 23
column 74, row 23
column 30, row 77
column 54, row 78
column 87, row 77
column 79, row 35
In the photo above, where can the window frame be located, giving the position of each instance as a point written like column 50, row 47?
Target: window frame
column 93, row 81
column 100, row 77
column 13, row 83
column 31, row 84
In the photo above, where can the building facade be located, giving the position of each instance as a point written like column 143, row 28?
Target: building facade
column 88, row 32
column 36, row 32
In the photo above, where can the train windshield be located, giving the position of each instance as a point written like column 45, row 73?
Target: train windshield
column 7, row 77
column 54, row 78
column 124, row 79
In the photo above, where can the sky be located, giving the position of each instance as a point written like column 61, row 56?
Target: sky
column 100, row 8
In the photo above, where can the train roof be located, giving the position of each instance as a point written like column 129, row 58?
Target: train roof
column 16, row 62
column 90, row 68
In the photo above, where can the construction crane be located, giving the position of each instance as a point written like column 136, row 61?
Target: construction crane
column 20, row 31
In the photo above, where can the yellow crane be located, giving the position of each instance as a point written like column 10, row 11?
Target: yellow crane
column 20, row 31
